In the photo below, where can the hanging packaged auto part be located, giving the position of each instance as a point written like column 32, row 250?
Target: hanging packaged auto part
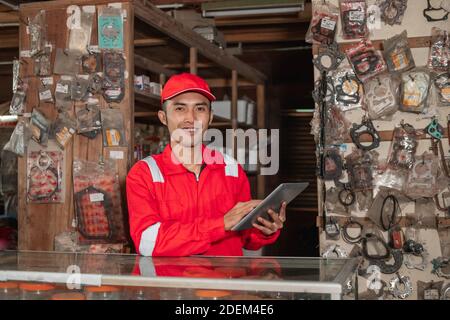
column 359, row 166
column 348, row 90
column 403, row 147
column 110, row 28
column 429, row 290
column 39, row 127
column 386, row 209
column 42, row 62
column 437, row 10
column 95, row 83
column 114, row 76
column 354, row 19
column 323, row 26
column 18, row 100
column 89, row 120
column 113, row 128
column 439, row 55
column 19, row 138
column 441, row 85
column 91, row 62
column 64, row 128
column 45, row 176
column 66, row 62
column 397, row 53
column 79, row 87
column 62, row 94
column 381, row 96
column 37, row 28
column 365, row 60
column 336, row 126
column 98, row 204
column 45, row 91
column 328, row 58
column 366, row 128
column 423, row 177
column 414, row 90
column 332, row 164
column 80, row 26
column 392, row 11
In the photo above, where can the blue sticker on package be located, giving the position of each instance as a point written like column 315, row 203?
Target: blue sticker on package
column 110, row 32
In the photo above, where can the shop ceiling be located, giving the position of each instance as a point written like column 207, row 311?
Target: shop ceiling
column 254, row 37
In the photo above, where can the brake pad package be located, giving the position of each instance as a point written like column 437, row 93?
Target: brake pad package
column 323, row 26
column 113, row 128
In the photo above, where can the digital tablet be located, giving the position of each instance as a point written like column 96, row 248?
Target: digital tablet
column 285, row 192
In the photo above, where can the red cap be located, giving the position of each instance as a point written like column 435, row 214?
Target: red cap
column 185, row 82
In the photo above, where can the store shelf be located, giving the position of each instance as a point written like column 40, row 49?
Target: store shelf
column 147, row 98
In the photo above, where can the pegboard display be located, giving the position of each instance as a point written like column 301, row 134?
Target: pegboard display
column 381, row 128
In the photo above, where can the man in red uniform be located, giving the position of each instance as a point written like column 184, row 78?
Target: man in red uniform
column 185, row 200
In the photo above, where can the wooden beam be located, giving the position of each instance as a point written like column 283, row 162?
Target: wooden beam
column 264, row 35
column 149, row 42
column 222, row 83
column 9, row 41
column 152, row 66
column 9, row 17
column 156, row 18
column 202, row 65
column 62, row 4
column 193, row 58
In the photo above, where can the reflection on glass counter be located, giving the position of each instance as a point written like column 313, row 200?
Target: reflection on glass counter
column 80, row 276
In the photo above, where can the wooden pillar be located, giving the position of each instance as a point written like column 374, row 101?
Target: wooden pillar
column 261, row 122
column 193, row 60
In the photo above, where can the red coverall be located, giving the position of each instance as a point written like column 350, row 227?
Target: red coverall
column 174, row 213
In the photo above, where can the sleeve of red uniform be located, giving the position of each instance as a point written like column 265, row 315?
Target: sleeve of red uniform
column 173, row 238
column 253, row 239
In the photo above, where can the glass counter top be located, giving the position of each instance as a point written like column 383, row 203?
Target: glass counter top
column 288, row 274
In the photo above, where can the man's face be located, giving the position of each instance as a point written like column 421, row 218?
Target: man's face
column 187, row 117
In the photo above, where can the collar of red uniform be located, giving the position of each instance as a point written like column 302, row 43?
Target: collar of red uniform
column 173, row 168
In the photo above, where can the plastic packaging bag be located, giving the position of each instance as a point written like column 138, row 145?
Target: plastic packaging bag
column 40, row 127
column 441, row 87
column 113, row 130
column 62, row 94
column 45, row 93
column 322, row 28
column 38, row 33
column 89, row 120
column 45, row 176
column 439, row 56
column 336, row 126
column 42, row 62
column 80, row 36
column 397, row 53
column 98, row 204
column 354, row 19
column 79, row 88
column 365, row 60
column 18, row 101
column 424, row 210
column 348, row 90
column 19, row 138
column 423, row 177
column 110, row 28
column 414, row 90
column 64, row 128
column 114, row 76
column 66, row 63
column 388, row 215
column 381, row 96
column 403, row 147
column 360, row 165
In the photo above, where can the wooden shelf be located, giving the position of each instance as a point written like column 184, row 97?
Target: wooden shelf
column 147, row 98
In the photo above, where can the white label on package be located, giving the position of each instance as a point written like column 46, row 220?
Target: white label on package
column 47, row 81
column 328, row 24
column 66, row 78
column 96, row 197
column 116, row 5
column 117, row 155
column 45, row 95
column 27, row 28
column 62, row 88
column 94, row 49
column 25, row 54
column 356, row 15
column 89, row 9
column 83, row 76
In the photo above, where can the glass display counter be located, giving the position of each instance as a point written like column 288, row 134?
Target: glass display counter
column 79, row 276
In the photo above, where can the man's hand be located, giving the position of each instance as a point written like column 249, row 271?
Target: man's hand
column 241, row 209
column 278, row 219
